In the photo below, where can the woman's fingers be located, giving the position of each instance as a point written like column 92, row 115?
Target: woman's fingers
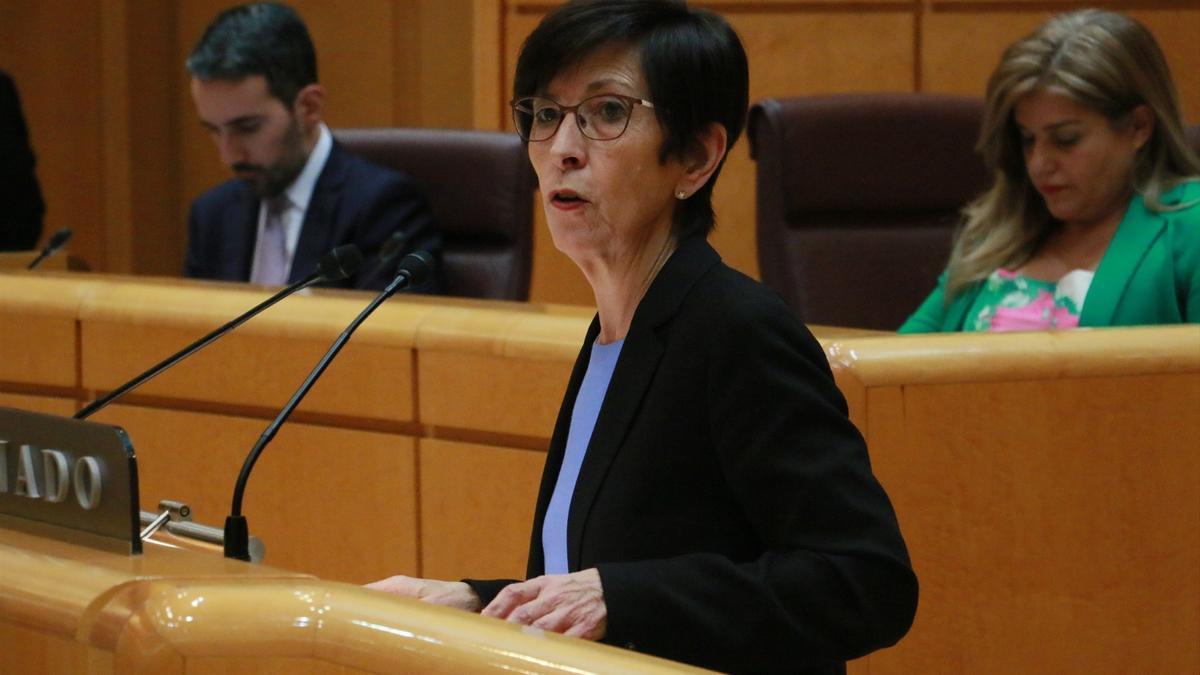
column 572, row 604
column 446, row 593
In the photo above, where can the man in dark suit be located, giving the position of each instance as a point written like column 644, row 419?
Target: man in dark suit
column 21, row 205
column 297, row 194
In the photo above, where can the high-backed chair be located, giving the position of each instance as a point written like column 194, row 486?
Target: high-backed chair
column 858, row 199
column 480, row 188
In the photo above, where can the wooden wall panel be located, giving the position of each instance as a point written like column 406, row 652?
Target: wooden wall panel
column 39, row 344
column 1053, row 554
column 1178, row 33
column 487, row 67
column 121, row 155
column 95, row 91
column 259, row 365
column 523, row 352
column 315, row 498
column 522, row 397
column 39, row 349
column 51, row 50
column 476, row 508
column 139, row 170
column 64, row 407
column 445, row 67
column 961, row 48
column 258, row 372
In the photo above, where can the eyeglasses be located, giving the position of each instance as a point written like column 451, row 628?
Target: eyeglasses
column 601, row 118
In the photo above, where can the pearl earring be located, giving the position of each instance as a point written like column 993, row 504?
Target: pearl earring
column 681, row 195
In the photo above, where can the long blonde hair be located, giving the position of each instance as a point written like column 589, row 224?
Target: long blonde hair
column 1103, row 60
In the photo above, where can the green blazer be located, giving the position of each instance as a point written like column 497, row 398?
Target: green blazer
column 1150, row 273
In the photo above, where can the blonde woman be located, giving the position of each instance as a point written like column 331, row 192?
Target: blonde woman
column 1093, row 218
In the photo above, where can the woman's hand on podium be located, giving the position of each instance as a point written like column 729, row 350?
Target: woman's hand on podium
column 571, row 604
column 446, row 593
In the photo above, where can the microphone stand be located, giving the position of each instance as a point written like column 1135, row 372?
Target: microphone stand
column 237, row 532
column 56, row 242
column 328, row 270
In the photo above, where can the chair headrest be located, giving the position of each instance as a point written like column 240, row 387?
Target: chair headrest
column 868, row 152
column 479, row 183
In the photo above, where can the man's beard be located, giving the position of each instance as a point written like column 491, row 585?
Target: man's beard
column 271, row 181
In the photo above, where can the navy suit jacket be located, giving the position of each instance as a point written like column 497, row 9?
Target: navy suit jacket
column 725, row 497
column 353, row 202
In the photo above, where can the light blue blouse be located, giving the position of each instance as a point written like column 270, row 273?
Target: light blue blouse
column 583, row 421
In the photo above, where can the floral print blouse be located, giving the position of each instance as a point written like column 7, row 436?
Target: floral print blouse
column 1012, row 302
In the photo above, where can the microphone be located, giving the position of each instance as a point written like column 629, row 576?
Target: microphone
column 388, row 252
column 338, row 264
column 414, row 270
column 57, row 241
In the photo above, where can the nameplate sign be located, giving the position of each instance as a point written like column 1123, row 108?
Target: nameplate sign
column 76, row 480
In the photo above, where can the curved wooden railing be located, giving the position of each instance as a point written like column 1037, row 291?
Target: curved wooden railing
column 66, row 609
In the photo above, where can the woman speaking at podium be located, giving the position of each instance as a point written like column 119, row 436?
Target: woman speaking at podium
column 705, row 497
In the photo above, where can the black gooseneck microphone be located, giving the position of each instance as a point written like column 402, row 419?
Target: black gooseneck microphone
column 414, row 269
column 57, row 241
column 339, row 263
column 388, row 252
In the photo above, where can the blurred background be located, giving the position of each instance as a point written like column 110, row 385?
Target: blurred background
column 121, row 154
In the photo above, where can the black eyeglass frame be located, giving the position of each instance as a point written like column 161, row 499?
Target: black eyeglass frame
column 574, row 109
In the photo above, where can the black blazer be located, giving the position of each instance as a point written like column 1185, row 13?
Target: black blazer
column 353, row 202
column 725, row 497
column 21, row 205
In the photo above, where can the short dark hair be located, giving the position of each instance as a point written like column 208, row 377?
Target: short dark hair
column 263, row 38
column 692, row 59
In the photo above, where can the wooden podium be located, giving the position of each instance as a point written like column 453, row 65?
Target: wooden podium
column 69, row 609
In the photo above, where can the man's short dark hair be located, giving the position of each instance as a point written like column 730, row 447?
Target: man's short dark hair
column 693, row 62
column 263, row 38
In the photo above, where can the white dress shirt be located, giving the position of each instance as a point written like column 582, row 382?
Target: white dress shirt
column 298, row 194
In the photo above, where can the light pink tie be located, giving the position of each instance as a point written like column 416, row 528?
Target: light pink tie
column 272, row 266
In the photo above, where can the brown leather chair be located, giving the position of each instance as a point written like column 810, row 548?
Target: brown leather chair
column 480, row 188
column 859, row 197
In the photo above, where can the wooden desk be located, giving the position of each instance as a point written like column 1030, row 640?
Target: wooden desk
column 1048, row 484
column 1048, row 487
